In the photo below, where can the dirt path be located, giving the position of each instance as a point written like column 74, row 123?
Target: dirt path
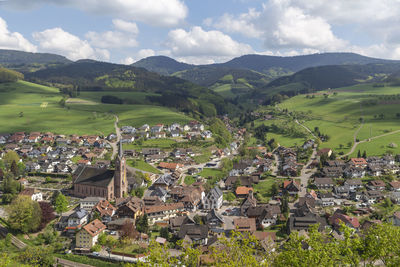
column 114, row 145
column 366, row 140
column 307, row 129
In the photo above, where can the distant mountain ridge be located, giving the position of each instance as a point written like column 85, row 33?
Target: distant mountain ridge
column 162, row 65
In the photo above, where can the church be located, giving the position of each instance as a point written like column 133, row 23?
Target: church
column 102, row 182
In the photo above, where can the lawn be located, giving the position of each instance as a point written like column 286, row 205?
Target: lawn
column 160, row 143
column 263, row 189
column 189, row 180
column 207, row 172
column 142, row 165
column 338, row 116
column 30, row 107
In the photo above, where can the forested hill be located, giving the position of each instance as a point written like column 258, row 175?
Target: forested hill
column 262, row 63
column 89, row 75
column 162, row 65
column 27, row 62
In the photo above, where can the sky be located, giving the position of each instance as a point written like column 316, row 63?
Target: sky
column 199, row 31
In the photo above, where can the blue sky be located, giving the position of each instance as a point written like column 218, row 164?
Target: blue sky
column 199, row 31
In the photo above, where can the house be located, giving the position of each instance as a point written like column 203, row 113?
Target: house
column 338, row 217
column 78, row 218
column 245, row 224
column 214, row 199
column 170, row 166
column 324, row 183
column 375, row 170
column 190, row 196
column 308, row 144
column 88, row 235
column 160, row 213
column 334, row 172
column 243, row 191
column 150, row 151
column 324, row 152
column 303, row 222
column 327, row 199
column 214, row 219
column 160, row 192
column 354, row 172
column 376, row 185
column 354, row 184
column 248, row 181
column 395, row 197
column 372, row 196
column 164, row 181
column 388, row 160
column 206, row 134
column 160, row 135
column 32, row 193
column 358, row 162
column 291, row 186
column 127, row 139
column 105, row 209
column 395, row 186
column 89, row 202
column 194, row 233
column 131, row 207
column 151, row 201
column 249, row 202
column 175, row 223
column 157, row 128
column 175, row 133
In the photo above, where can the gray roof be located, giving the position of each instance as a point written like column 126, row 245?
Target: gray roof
column 91, row 199
column 79, row 214
column 93, row 176
column 216, row 192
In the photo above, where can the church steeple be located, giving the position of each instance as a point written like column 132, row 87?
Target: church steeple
column 120, row 181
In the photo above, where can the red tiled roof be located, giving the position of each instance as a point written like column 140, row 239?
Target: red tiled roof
column 95, row 227
column 243, row 190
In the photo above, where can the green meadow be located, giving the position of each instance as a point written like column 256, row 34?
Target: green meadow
column 338, row 114
column 28, row 107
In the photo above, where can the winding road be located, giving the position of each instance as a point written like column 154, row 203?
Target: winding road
column 114, row 145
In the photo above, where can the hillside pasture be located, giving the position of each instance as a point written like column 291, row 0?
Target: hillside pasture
column 339, row 113
column 29, row 107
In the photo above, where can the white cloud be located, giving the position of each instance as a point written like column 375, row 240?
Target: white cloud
column 128, row 61
column 153, row 12
column 111, row 39
column 207, row 44
column 13, row 40
column 58, row 41
column 125, row 26
column 143, row 53
column 242, row 24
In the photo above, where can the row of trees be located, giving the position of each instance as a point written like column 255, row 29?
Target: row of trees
column 379, row 245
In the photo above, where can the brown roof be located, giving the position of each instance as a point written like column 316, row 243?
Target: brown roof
column 170, row 166
column 243, row 190
column 27, row 192
column 395, row 184
column 95, row 227
column 245, row 224
column 105, row 208
column 359, row 161
column 164, row 207
column 264, row 235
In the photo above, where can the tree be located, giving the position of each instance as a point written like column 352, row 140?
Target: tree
column 349, row 144
column 61, row 203
column 10, row 157
column 364, row 155
column 24, row 214
column 128, row 230
column 230, row 197
column 14, row 169
column 164, row 232
column 47, row 214
column 340, row 146
column 359, row 154
column 142, row 224
column 274, row 189
column 37, row 256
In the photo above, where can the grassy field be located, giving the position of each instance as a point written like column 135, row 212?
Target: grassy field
column 338, row 115
column 263, row 189
column 29, row 107
column 160, row 143
column 142, row 165
column 189, row 180
column 206, row 172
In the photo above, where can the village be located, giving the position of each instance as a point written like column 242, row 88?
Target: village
column 115, row 208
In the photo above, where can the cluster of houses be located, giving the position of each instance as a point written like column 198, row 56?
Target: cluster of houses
column 360, row 167
column 191, row 130
column 289, row 165
column 51, row 153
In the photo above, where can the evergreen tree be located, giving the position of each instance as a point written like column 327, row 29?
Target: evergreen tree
column 364, row 155
column 359, row 154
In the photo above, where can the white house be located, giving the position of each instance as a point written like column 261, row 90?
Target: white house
column 213, row 199
column 79, row 217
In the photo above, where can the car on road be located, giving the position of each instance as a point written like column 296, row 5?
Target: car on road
column 95, row 253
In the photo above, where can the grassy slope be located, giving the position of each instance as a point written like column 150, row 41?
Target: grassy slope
column 338, row 116
column 41, row 112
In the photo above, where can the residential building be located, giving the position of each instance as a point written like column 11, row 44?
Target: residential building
column 88, row 235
